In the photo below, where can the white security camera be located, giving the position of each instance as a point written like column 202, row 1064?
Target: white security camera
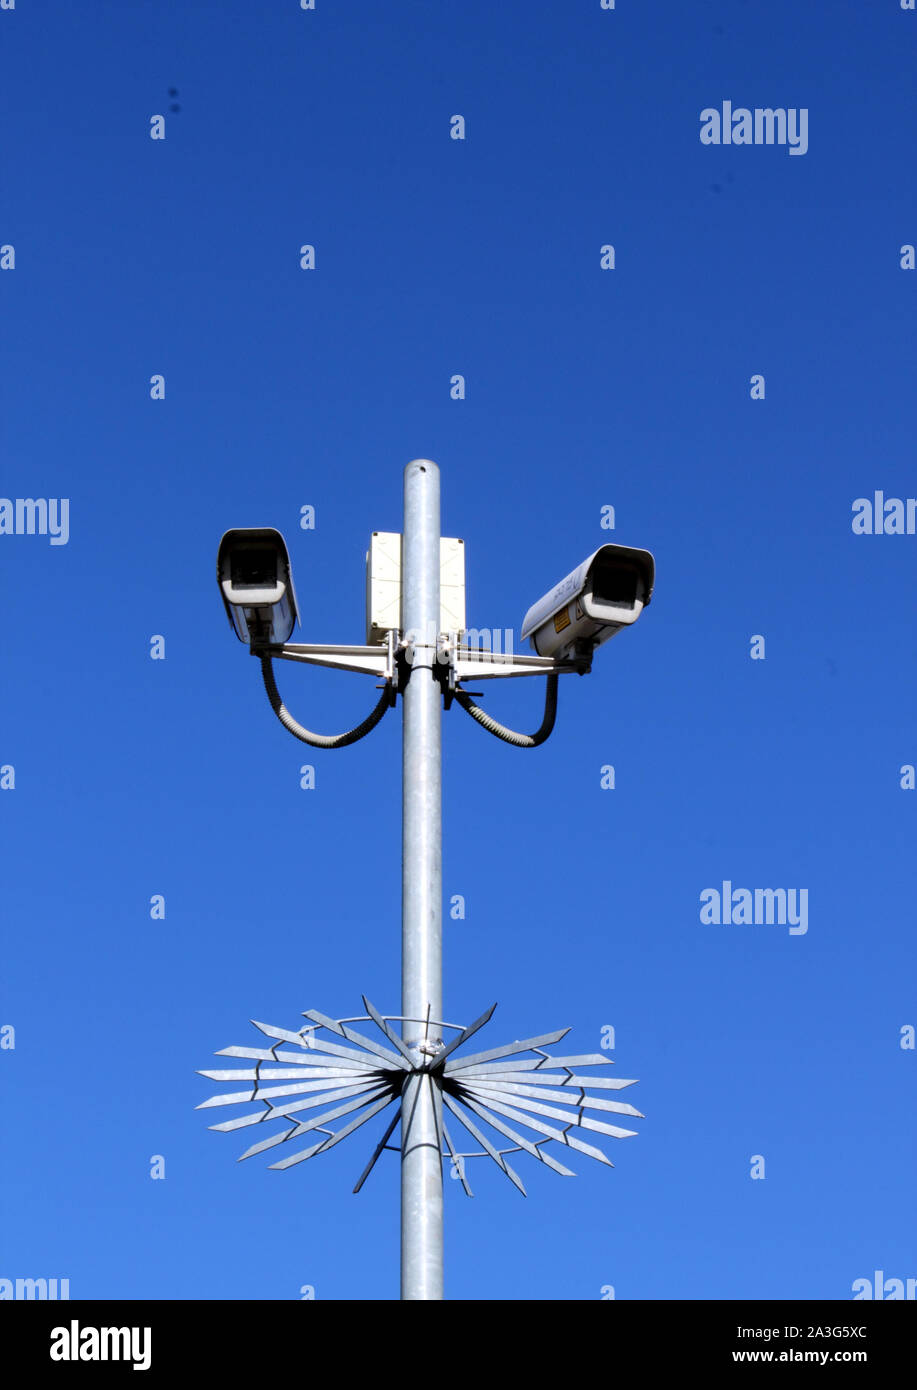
column 256, row 582
column 605, row 593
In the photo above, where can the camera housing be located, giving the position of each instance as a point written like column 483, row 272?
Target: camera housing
column 256, row 585
column 607, row 592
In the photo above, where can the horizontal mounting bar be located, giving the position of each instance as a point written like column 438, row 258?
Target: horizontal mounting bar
column 370, row 661
column 468, row 663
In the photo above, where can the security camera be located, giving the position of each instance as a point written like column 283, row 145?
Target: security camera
column 605, row 593
column 253, row 572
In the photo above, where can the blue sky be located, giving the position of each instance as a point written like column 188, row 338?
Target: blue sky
column 584, row 388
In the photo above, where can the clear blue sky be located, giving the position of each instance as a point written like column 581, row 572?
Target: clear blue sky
column 585, row 387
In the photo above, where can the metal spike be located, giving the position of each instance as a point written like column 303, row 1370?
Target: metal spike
column 546, row 1078
column 282, row 1073
column 465, row 1034
column 578, row 1097
column 378, row 1149
column 267, row 1093
column 280, row 1138
column 315, row 1123
column 336, row 1138
column 579, row 1119
column 563, row 1136
column 390, row 1033
column 353, row 1036
column 271, row 1112
column 528, row 1144
column 281, row 1034
column 459, row 1163
column 584, row 1059
column 509, row 1049
column 305, row 1059
column 485, row 1143
column 256, row 1054
column 545, row 1062
column 337, row 1050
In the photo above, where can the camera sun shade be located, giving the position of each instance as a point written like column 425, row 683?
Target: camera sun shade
column 606, row 592
column 256, row 583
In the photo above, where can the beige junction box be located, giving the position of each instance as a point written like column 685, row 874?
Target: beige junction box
column 383, row 585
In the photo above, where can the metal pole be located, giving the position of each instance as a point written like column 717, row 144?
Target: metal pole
column 421, row 883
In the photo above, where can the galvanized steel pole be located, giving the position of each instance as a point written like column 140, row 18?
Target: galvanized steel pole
column 421, row 913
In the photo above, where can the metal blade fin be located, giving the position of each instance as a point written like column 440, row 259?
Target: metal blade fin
column 545, row 1078
column 330, row 1053
column 333, row 1139
column 280, row 1138
column 585, row 1059
column 271, row 1092
column 563, row 1136
column 353, row 1036
column 458, row 1163
column 579, row 1119
column 367, row 1060
column 544, row 1062
column 390, row 1033
column 281, row 1034
column 577, row 1097
column 358, row 1103
column 485, row 1144
column 528, row 1144
column 283, row 1073
column 378, row 1149
column 465, row 1034
column 271, row 1112
column 305, row 1126
column 509, row 1049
